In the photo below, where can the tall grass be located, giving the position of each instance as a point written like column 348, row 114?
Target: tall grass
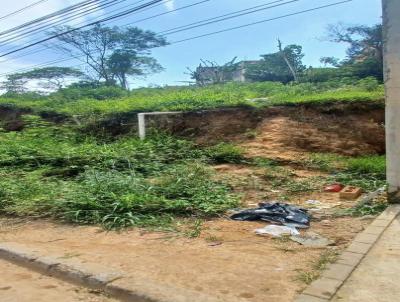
column 195, row 98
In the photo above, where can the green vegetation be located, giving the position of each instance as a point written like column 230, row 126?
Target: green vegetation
column 49, row 170
column 100, row 101
column 327, row 257
column 367, row 172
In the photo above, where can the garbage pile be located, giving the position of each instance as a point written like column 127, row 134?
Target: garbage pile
column 279, row 213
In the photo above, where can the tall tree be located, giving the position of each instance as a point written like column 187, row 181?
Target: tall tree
column 14, row 85
column 283, row 66
column 112, row 54
column 365, row 48
column 50, row 78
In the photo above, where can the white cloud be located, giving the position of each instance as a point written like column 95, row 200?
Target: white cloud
column 170, row 5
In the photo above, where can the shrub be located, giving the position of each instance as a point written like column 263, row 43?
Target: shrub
column 224, row 153
column 117, row 199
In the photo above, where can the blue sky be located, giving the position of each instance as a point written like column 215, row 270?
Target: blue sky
column 248, row 43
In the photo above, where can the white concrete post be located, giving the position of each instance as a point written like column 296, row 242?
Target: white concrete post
column 142, row 121
column 391, row 36
column 142, row 125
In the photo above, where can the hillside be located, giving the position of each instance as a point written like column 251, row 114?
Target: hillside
column 110, row 100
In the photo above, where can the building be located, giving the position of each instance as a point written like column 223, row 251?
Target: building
column 206, row 75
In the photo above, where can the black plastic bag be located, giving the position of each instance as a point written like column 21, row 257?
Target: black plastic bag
column 281, row 213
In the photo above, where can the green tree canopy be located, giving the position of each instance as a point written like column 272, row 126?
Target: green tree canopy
column 364, row 52
column 274, row 67
column 112, row 54
column 49, row 78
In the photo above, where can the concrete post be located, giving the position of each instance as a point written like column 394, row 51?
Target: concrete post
column 391, row 36
column 142, row 125
column 142, row 121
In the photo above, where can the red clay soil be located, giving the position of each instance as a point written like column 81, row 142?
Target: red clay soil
column 306, row 130
column 348, row 129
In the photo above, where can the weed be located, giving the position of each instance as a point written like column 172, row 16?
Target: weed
column 327, row 257
column 224, row 153
column 213, row 238
column 194, row 230
column 101, row 102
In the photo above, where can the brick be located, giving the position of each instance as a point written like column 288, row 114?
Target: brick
column 338, row 271
column 366, row 238
column 350, row 193
column 323, row 288
column 351, row 259
column 375, row 230
column 360, row 248
column 307, row 298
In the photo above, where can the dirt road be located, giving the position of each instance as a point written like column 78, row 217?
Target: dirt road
column 18, row 284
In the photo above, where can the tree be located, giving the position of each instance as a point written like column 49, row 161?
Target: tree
column 112, row 54
column 365, row 48
column 49, row 78
column 283, row 66
column 14, row 85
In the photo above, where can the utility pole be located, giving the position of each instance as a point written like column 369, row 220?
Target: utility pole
column 391, row 53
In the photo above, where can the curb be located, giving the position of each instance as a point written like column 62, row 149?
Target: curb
column 325, row 288
column 117, row 285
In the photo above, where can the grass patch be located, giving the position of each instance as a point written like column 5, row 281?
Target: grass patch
column 55, row 171
column 197, row 98
column 367, row 172
column 327, row 257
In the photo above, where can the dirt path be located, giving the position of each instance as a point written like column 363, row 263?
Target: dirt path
column 228, row 260
column 18, row 284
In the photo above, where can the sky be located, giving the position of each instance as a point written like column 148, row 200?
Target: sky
column 307, row 30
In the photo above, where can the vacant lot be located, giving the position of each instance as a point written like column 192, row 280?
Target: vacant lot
column 77, row 183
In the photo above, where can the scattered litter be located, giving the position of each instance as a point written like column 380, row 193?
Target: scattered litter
column 275, row 191
column 277, row 213
column 313, row 202
column 311, row 239
column 277, row 231
column 334, row 188
column 350, row 192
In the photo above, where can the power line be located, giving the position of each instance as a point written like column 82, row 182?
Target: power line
column 262, row 21
column 81, row 27
column 22, row 9
column 39, row 28
column 99, row 8
column 236, row 27
column 55, row 14
column 137, row 21
column 224, row 17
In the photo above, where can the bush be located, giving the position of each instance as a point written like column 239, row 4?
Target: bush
column 117, row 199
column 224, row 153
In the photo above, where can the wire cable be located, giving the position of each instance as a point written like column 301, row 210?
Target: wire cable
column 39, row 28
column 22, row 9
column 234, row 28
column 222, row 18
column 137, row 21
column 54, row 14
column 81, row 27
